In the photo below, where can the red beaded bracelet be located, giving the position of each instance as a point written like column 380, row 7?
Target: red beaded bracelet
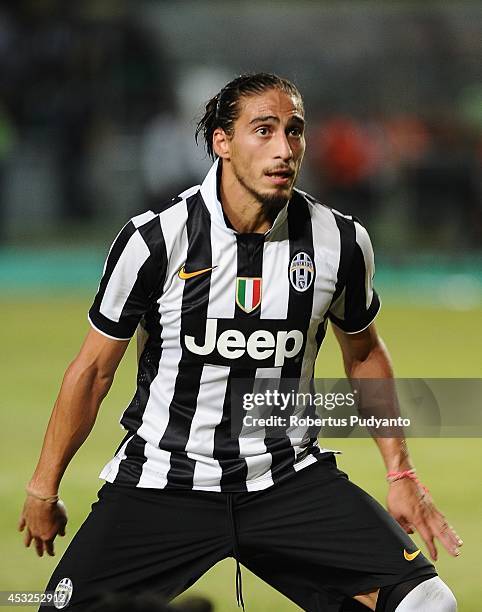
column 394, row 476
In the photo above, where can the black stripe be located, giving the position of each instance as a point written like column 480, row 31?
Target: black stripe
column 226, row 436
column 115, row 252
column 351, row 279
column 166, row 204
column 130, row 468
column 356, row 315
column 320, row 334
column 195, row 300
column 148, row 284
column 346, row 227
column 300, row 305
column 152, row 234
column 346, row 230
column 226, row 447
column 123, row 441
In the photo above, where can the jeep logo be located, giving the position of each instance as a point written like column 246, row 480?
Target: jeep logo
column 260, row 345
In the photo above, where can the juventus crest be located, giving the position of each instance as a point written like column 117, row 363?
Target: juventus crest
column 301, row 271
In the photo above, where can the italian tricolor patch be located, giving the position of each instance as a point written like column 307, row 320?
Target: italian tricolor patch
column 248, row 293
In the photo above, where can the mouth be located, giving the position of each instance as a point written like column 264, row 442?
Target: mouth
column 280, row 177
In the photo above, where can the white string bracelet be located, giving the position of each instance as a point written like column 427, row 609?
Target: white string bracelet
column 51, row 499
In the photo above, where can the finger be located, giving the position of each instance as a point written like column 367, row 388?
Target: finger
column 427, row 536
column 21, row 523
column 406, row 526
column 455, row 537
column 449, row 539
column 443, row 530
column 39, row 546
column 27, row 538
column 49, row 547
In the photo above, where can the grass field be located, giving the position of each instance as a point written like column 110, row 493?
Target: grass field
column 40, row 336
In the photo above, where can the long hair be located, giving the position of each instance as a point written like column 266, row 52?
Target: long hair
column 223, row 109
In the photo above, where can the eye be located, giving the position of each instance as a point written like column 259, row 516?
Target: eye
column 262, row 131
column 297, row 132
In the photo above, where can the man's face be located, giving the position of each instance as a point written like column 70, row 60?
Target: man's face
column 267, row 146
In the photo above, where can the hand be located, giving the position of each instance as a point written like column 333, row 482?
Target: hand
column 42, row 522
column 414, row 509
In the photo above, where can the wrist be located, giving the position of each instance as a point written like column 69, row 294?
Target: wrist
column 399, row 461
column 49, row 499
column 404, row 475
column 395, row 476
column 42, row 487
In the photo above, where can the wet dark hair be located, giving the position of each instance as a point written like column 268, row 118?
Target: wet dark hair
column 223, row 109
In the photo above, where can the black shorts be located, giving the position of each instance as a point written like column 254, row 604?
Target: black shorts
column 316, row 537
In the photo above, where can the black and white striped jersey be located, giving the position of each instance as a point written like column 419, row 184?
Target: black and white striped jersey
column 217, row 305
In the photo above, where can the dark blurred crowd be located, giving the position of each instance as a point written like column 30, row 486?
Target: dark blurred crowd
column 68, row 73
column 86, row 87
column 430, row 166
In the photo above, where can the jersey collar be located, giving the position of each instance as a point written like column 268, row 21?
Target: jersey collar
column 209, row 192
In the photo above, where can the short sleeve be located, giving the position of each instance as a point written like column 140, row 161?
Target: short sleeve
column 358, row 304
column 133, row 275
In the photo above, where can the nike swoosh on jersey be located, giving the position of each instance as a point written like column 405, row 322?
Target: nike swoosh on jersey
column 183, row 275
column 411, row 556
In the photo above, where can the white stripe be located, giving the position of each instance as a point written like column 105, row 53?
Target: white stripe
column 326, row 247
column 276, row 284
column 210, row 196
column 208, row 414
column 143, row 218
column 124, row 277
column 274, row 305
column 155, row 468
column 156, row 414
column 248, row 294
column 136, row 222
column 259, row 468
column 222, row 295
column 309, row 460
column 109, row 472
column 212, row 390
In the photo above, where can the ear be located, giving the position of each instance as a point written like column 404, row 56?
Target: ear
column 221, row 143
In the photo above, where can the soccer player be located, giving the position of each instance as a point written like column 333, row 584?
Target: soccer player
column 235, row 278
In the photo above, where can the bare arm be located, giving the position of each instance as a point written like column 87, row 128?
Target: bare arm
column 85, row 384
column 365, row 356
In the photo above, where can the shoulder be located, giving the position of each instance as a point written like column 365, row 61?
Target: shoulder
column 321, row 211
column 177, row 201
column 165, row 217
column 318, row 207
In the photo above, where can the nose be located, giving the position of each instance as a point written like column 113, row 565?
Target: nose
column 283, row 147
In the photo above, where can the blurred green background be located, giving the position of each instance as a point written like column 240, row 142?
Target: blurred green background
column 98, row 100
column 42, row 335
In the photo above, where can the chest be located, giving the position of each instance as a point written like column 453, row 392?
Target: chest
column 249, row 276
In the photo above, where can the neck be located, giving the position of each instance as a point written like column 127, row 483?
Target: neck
column 244, row 211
